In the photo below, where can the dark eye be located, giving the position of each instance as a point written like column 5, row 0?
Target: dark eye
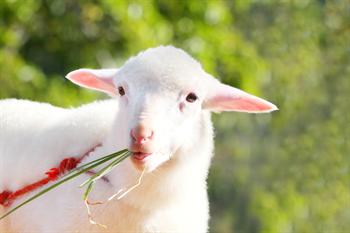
column 121, row 91
column 191, row 97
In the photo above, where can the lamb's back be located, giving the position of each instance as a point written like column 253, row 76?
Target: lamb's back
column 36, row 136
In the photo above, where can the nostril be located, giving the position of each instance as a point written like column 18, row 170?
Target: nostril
column 150, row 135
column 136, row 137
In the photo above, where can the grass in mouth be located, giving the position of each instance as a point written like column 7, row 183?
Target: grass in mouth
column 112, row 160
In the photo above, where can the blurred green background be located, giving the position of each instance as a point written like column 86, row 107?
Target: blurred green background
column 281, row 172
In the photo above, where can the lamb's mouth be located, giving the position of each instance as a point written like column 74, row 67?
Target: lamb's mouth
column 140, row 157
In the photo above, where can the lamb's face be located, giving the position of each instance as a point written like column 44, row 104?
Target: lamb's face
column 162, row 108
column 159, row 122
column 162, row 94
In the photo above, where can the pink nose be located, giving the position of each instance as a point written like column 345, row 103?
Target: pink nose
column 141, row 134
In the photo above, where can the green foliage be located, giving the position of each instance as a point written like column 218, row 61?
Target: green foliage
column 284, row 172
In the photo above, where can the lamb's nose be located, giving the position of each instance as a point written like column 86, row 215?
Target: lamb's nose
column 141, row 134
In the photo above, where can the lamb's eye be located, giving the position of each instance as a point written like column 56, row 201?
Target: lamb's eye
column 191, row 97
column 121, row 91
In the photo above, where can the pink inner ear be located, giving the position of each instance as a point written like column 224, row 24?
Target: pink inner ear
column 89, row 80
column 226, row 98
column 243, row 104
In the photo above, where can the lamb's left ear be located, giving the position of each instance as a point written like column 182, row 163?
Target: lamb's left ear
column 222, row 97
column 101, row 79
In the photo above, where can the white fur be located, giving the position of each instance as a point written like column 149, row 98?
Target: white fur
column 172, row 196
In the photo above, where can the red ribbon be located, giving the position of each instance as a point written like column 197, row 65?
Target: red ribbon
column 66, row 165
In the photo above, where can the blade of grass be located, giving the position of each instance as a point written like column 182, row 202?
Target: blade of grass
column 78, row 171
column 105, row 169
column 99, row 174
column 88, row 190
column 113, row 155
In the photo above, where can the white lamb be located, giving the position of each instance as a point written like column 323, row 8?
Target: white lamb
column 160, row 111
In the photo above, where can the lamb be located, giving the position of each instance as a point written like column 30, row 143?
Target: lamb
column 160, row 110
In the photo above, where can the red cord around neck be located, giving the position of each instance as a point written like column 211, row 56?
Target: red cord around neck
column 66, row 165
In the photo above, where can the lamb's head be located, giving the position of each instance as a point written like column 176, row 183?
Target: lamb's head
column 163, row 93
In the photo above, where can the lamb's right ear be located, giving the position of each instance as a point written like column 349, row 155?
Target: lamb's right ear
column 101, row 79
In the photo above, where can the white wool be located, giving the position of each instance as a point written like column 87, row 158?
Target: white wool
column 34, row 136
column 172, row 196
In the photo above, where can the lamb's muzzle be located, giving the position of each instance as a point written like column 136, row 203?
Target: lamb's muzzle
column 141, row 144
